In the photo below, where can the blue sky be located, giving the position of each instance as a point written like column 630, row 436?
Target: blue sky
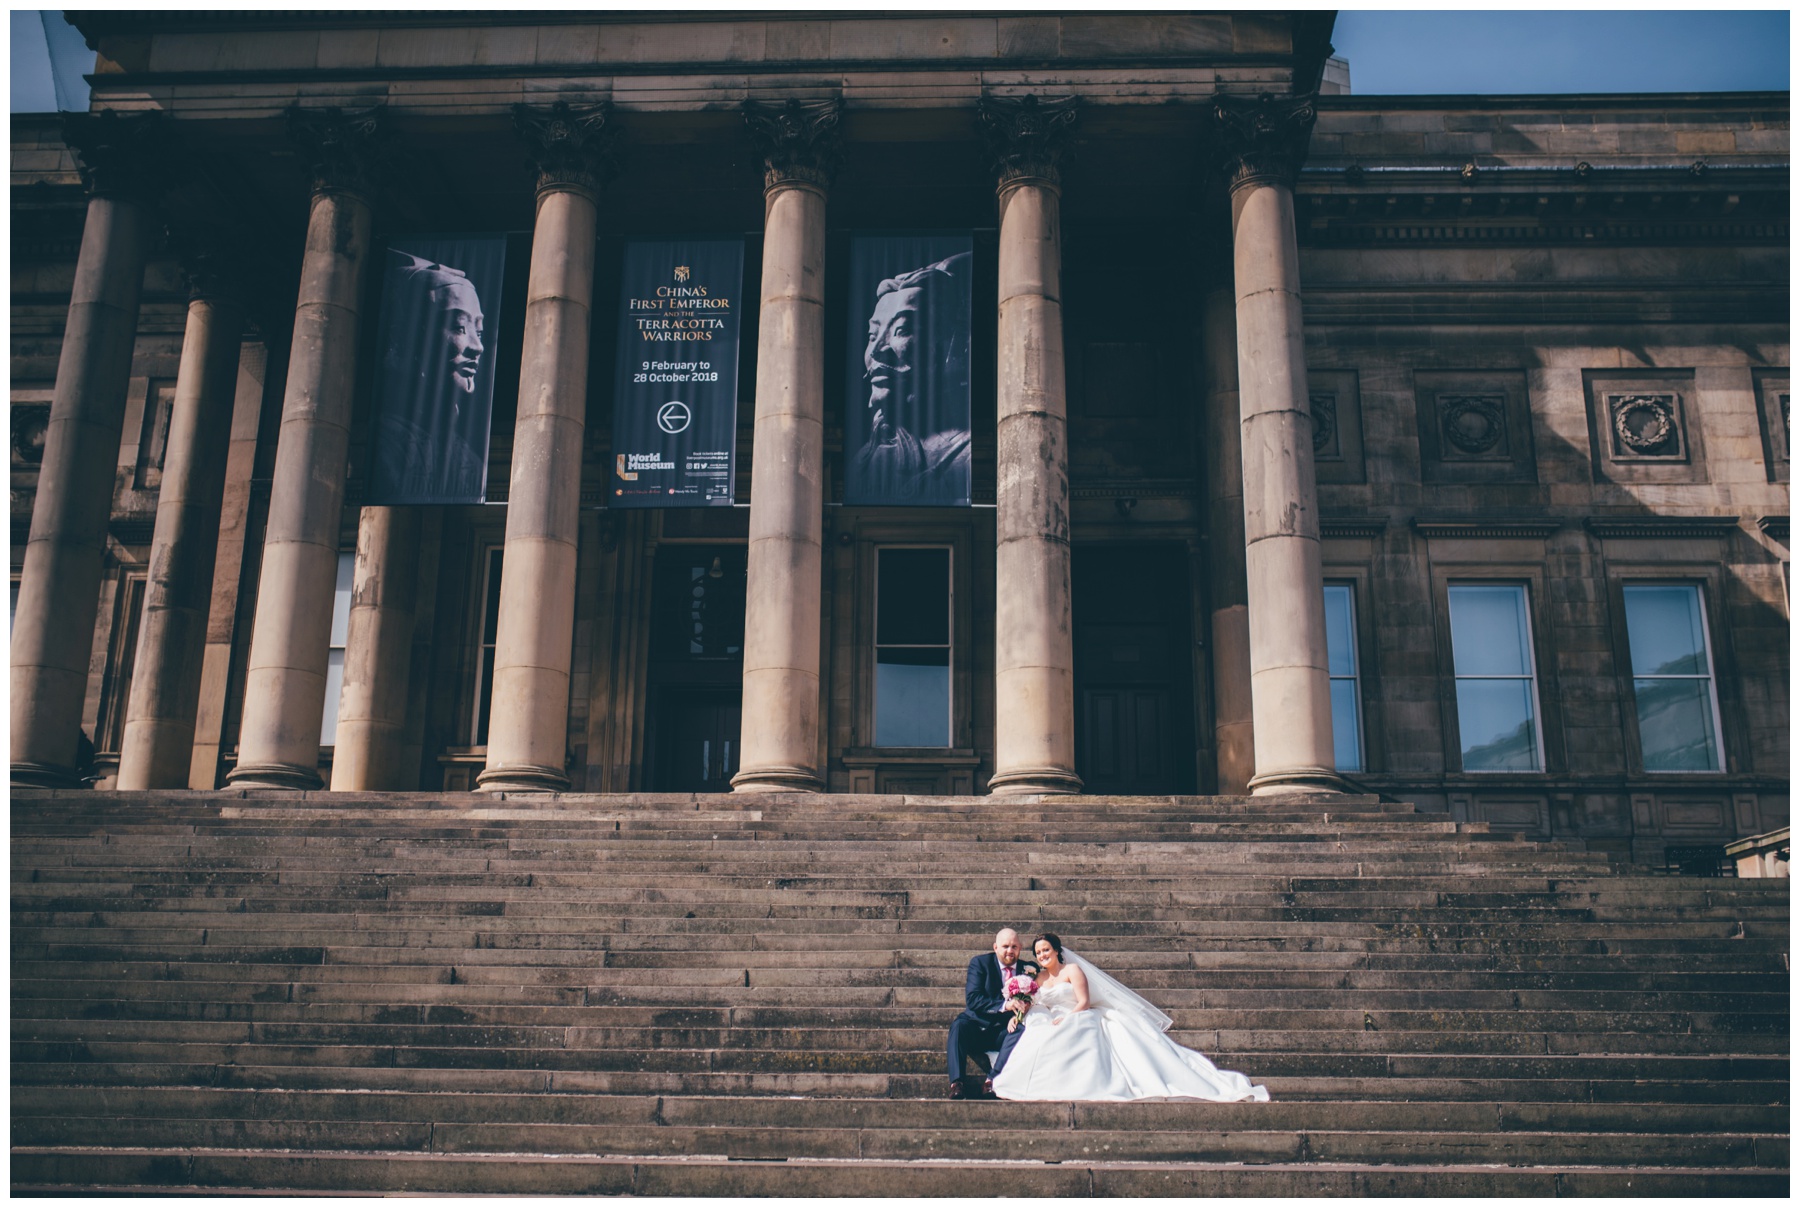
column 1520, row 52
column 1412, row 51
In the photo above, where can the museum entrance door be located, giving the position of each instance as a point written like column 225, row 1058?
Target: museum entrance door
column 695, row 707
column 1133, row 669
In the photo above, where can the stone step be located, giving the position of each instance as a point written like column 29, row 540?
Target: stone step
column 655, row 986
column 943, row 1000
column 160, row 800
column 850, row 1050
column 1460, row 1116
column 1124, row 883
column 1246, row 1139
column 1303, row 825
column 1264, row 1017
column 1704, row 1087
column 930, row 941
column 776, row 917
column 68, row 1170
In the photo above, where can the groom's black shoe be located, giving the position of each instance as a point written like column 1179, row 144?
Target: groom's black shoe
column 959, row 1089
column 987, row 1089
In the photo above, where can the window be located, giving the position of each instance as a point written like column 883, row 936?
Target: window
column 490, row 627
column 121, row 662
column 1671, row 675
column 698, row 614
column 340, row 637
column 1346, row 694
column 153, row 437
column 1496, row 689
column 912, row 647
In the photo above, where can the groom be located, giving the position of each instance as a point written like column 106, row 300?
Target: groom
column 982, row 1025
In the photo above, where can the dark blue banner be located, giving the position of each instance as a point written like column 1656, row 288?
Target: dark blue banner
column 674, row 432
column 906, row 418
column 434, row 386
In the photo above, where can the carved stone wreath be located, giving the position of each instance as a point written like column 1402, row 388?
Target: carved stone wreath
column 30, row 422
column 1645, row 424
column 1472, row 424
column 1324, row 421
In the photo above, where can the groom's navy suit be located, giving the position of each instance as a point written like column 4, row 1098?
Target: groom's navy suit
column 982, row 1025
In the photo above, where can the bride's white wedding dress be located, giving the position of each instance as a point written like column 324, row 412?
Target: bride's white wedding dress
column 1114, row 1050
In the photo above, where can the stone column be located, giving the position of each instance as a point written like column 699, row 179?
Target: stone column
column 384, row 596
column 1230, row 653
column 59, row 590
column 1034, row 651
column 1264, row 140
column 158, row 745
column 529, row 717
column 290, row 645
column 787, row 471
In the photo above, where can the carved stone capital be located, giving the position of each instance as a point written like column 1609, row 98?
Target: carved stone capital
column 1262, row 140
column 569, row 145
column 207, row 258
column 121, row 156
column 798, row 140
column 209, row 275
column 344, row 148
column 1027, row 136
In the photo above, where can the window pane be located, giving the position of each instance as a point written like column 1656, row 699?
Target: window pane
column 1665, row 630
column 1675, row 724
column 1497, row 731
column 1340, row 641
column 490, row 612
column 487, row 697
column 912, row 698
column 1346, row 736
column 340, row 604
column 334, row 687
column 698, row 602
column 1487, row 630
column 913, row 598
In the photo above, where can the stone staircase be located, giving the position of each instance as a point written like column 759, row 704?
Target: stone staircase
column 670, row 995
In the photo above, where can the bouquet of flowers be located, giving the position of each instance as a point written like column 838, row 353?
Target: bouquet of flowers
column 1018, row 991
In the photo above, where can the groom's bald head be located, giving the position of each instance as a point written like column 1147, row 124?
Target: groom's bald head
column 1006, row 945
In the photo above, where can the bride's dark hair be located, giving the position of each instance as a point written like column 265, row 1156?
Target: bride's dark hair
column 1051, row 938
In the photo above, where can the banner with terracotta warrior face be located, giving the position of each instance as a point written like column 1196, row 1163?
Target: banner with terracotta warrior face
column 906, row 420
column 674, row 433
column 434, row 386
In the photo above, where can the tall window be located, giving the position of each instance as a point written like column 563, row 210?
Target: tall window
column 1671, row 675
column 340, row 637
column 912, row 647
column 1496, row 686
column 1346, row 693
column 490, row 627
column 121, row 661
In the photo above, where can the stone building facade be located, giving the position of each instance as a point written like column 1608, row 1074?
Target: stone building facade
column 1434, row 447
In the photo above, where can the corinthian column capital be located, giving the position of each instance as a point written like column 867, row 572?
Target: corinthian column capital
column 1027, row 136
column 571, row 146
column 122, row 156
column 345, row 149
column 798, row 140
column 211, row 261
column 1261, row 140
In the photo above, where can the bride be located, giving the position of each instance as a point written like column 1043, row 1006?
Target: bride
column 1087, row 1037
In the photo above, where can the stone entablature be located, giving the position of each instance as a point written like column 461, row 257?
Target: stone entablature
column 390, row 42
column 1613, row 130
column 196, row 64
